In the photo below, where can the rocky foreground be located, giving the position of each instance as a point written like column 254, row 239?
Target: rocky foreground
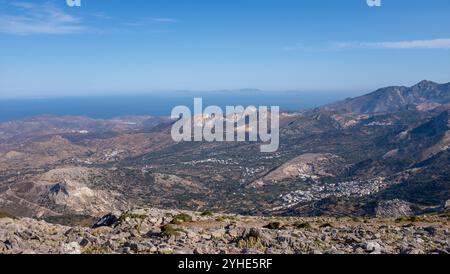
column 152, row 231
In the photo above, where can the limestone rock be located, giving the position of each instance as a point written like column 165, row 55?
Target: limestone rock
column 393, row 209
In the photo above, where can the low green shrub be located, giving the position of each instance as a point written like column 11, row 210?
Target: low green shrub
column 302, row 225
column 181, row 218
column 7, row 215
column 169, row 230
column 273, row 225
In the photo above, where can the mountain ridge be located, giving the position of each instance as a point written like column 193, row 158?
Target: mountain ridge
column 396, row 98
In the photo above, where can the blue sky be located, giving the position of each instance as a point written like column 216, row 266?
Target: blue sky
column 116, row 46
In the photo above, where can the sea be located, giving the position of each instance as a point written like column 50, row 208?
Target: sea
column 104, row 106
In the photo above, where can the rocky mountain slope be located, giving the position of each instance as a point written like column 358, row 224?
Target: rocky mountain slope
column 152, row 231
column 422, row 96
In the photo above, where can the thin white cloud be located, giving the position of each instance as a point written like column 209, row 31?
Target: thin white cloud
column 413, row 44
column 28, row 18
column 147, row 21
column 443, row 43
column 25, row 5
column 163, row 20
column 102, row 15
column 31, row 19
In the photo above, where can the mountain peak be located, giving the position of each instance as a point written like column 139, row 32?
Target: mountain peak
column 424, row 84
column 396, row 98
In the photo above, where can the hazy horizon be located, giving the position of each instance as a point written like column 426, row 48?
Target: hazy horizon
column 160, row 103
column 246, row 91
column 110, row 106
